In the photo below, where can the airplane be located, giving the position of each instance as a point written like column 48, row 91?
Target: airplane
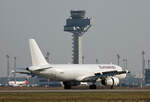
column 18, row 83
column 74, row 74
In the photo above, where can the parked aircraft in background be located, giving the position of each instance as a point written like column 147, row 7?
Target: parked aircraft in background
column 18, row 83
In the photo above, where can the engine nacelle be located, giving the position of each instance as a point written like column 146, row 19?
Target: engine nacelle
column 110, row 81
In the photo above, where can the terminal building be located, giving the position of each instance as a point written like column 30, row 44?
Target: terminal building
column 147, row 76
column 46, row 82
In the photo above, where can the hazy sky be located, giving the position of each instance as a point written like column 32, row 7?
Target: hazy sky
column 120, row 26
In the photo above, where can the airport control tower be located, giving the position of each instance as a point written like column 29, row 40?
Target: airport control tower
column 77, row 24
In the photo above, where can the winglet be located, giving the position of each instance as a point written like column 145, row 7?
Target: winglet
column 36, row 54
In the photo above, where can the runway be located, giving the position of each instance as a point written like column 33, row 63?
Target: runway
column 75, row 91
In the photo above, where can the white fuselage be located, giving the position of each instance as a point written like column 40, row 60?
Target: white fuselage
column 75, row 72
column 109, row 74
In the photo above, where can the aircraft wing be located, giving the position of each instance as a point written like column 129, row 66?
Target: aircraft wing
column 104, row 75
column 42, row 69
column 21, row 72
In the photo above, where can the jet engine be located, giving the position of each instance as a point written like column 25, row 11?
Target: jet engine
column 110, row 81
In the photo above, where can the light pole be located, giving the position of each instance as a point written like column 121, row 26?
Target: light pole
column 15, row 69
column 118, row 59
column 47, row 58
column 125, row 62
column 83, row 59
column 8, row 74
column 143, row 67
column 97, row 61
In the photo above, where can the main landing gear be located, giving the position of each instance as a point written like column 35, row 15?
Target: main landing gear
column 111, row 87
column 67, row 85
column 93, row 86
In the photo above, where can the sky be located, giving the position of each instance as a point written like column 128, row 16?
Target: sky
column 119, row 27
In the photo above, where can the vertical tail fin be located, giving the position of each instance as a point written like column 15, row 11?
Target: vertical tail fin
column 36, row 54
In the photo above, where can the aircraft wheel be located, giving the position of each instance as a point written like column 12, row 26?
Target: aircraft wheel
column 67, row 85
column 92, row 86
column 112, row 87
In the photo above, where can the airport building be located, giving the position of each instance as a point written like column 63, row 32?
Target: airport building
column 46, row 82
column 77, row 24
column 147, row 76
